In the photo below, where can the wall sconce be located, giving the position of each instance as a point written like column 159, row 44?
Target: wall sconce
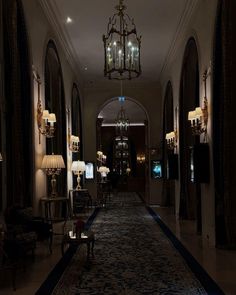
column 1, row 157
column 171, row 140
column 73, row 140
column 140, row 158
column 199, row 117
column 45, row 120
column 78, row 167
column 101, row 157
column 53, row 165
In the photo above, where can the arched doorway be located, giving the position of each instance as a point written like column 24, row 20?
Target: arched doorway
column 55, row 103
column 168, row 192
column 190, row 193
column 224, row 139
column 131, row 153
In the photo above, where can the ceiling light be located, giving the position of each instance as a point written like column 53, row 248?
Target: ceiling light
column 122, row 46
column 68, row 20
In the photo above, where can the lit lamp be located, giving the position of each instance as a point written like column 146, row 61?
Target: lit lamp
column 53, row 165
column 101, row 157
column 0, row 157
column 78, row 167
column 104, row 171
column 47, row 127
column 74, row 143
column 171, row 140
column 199, row 116
column 128, row 170
column 46, row 121
column 122, row 46
column 141, row 158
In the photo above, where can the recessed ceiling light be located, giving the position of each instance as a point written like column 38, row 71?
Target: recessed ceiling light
column 68, row 20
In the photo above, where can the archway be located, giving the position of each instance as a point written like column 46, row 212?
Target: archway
column 131, row 153
column 190, row 193
column 55, row 103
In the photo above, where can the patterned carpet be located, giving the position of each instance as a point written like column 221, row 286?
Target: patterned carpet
column 132, row 256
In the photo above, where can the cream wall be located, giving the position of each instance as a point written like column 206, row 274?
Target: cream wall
column 39, row 33
column 149, row 96
column 201, row 26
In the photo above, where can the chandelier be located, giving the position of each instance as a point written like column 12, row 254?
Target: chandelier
column 122, row 46
column 122, row 123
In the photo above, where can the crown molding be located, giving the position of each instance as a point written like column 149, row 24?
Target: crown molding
column 179, row 36
column 53, row 15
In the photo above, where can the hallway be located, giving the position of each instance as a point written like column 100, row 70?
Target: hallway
column 132, row 256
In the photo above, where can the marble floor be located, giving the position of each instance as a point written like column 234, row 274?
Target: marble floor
column 220, row 264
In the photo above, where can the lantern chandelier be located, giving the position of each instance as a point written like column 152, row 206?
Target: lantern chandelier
column 122, row 46
column 122, row 122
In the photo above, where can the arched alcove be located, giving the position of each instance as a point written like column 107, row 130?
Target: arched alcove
column 137, row 143
column 55, row 103
column 190, row 193
column 168, row 192
column 18, row 156
column 224, row 139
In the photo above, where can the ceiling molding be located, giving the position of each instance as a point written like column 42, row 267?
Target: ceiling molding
column 53, row 15
column 179, row 34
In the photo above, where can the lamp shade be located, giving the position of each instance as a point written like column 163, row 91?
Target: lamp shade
column 78, row 166
column 53, row 162
column 102, row 169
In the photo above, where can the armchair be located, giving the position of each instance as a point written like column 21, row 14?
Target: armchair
column 22, row 225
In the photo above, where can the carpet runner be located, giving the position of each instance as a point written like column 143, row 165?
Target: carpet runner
column 132, row 256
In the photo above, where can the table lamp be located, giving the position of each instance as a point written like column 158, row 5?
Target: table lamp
column 78, row 167
column 53, row 165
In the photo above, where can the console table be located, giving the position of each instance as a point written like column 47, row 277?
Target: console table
column 53, row 205
column 79, row 199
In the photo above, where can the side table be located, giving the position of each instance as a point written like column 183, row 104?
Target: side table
column 86, row 237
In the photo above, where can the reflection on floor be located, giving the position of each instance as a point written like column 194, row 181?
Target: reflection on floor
column 220, row 264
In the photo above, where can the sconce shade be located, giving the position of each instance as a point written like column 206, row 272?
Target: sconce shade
column 53, row 162
column 0, row 157
column 78, row 166
column 52, row 118
column 45, row 114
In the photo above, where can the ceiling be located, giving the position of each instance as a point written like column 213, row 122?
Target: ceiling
column 157, row 21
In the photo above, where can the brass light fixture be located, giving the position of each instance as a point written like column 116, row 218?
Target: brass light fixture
column 45, row 120
column 171, row 140
column 121, row 46
column 78, row 167
column 101, row 158
column 73, row 141
column 199, row 117
column 141, row 158
column 53, row 165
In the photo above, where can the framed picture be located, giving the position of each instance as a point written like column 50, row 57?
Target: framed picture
column 89, row 170
column 156, row 169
